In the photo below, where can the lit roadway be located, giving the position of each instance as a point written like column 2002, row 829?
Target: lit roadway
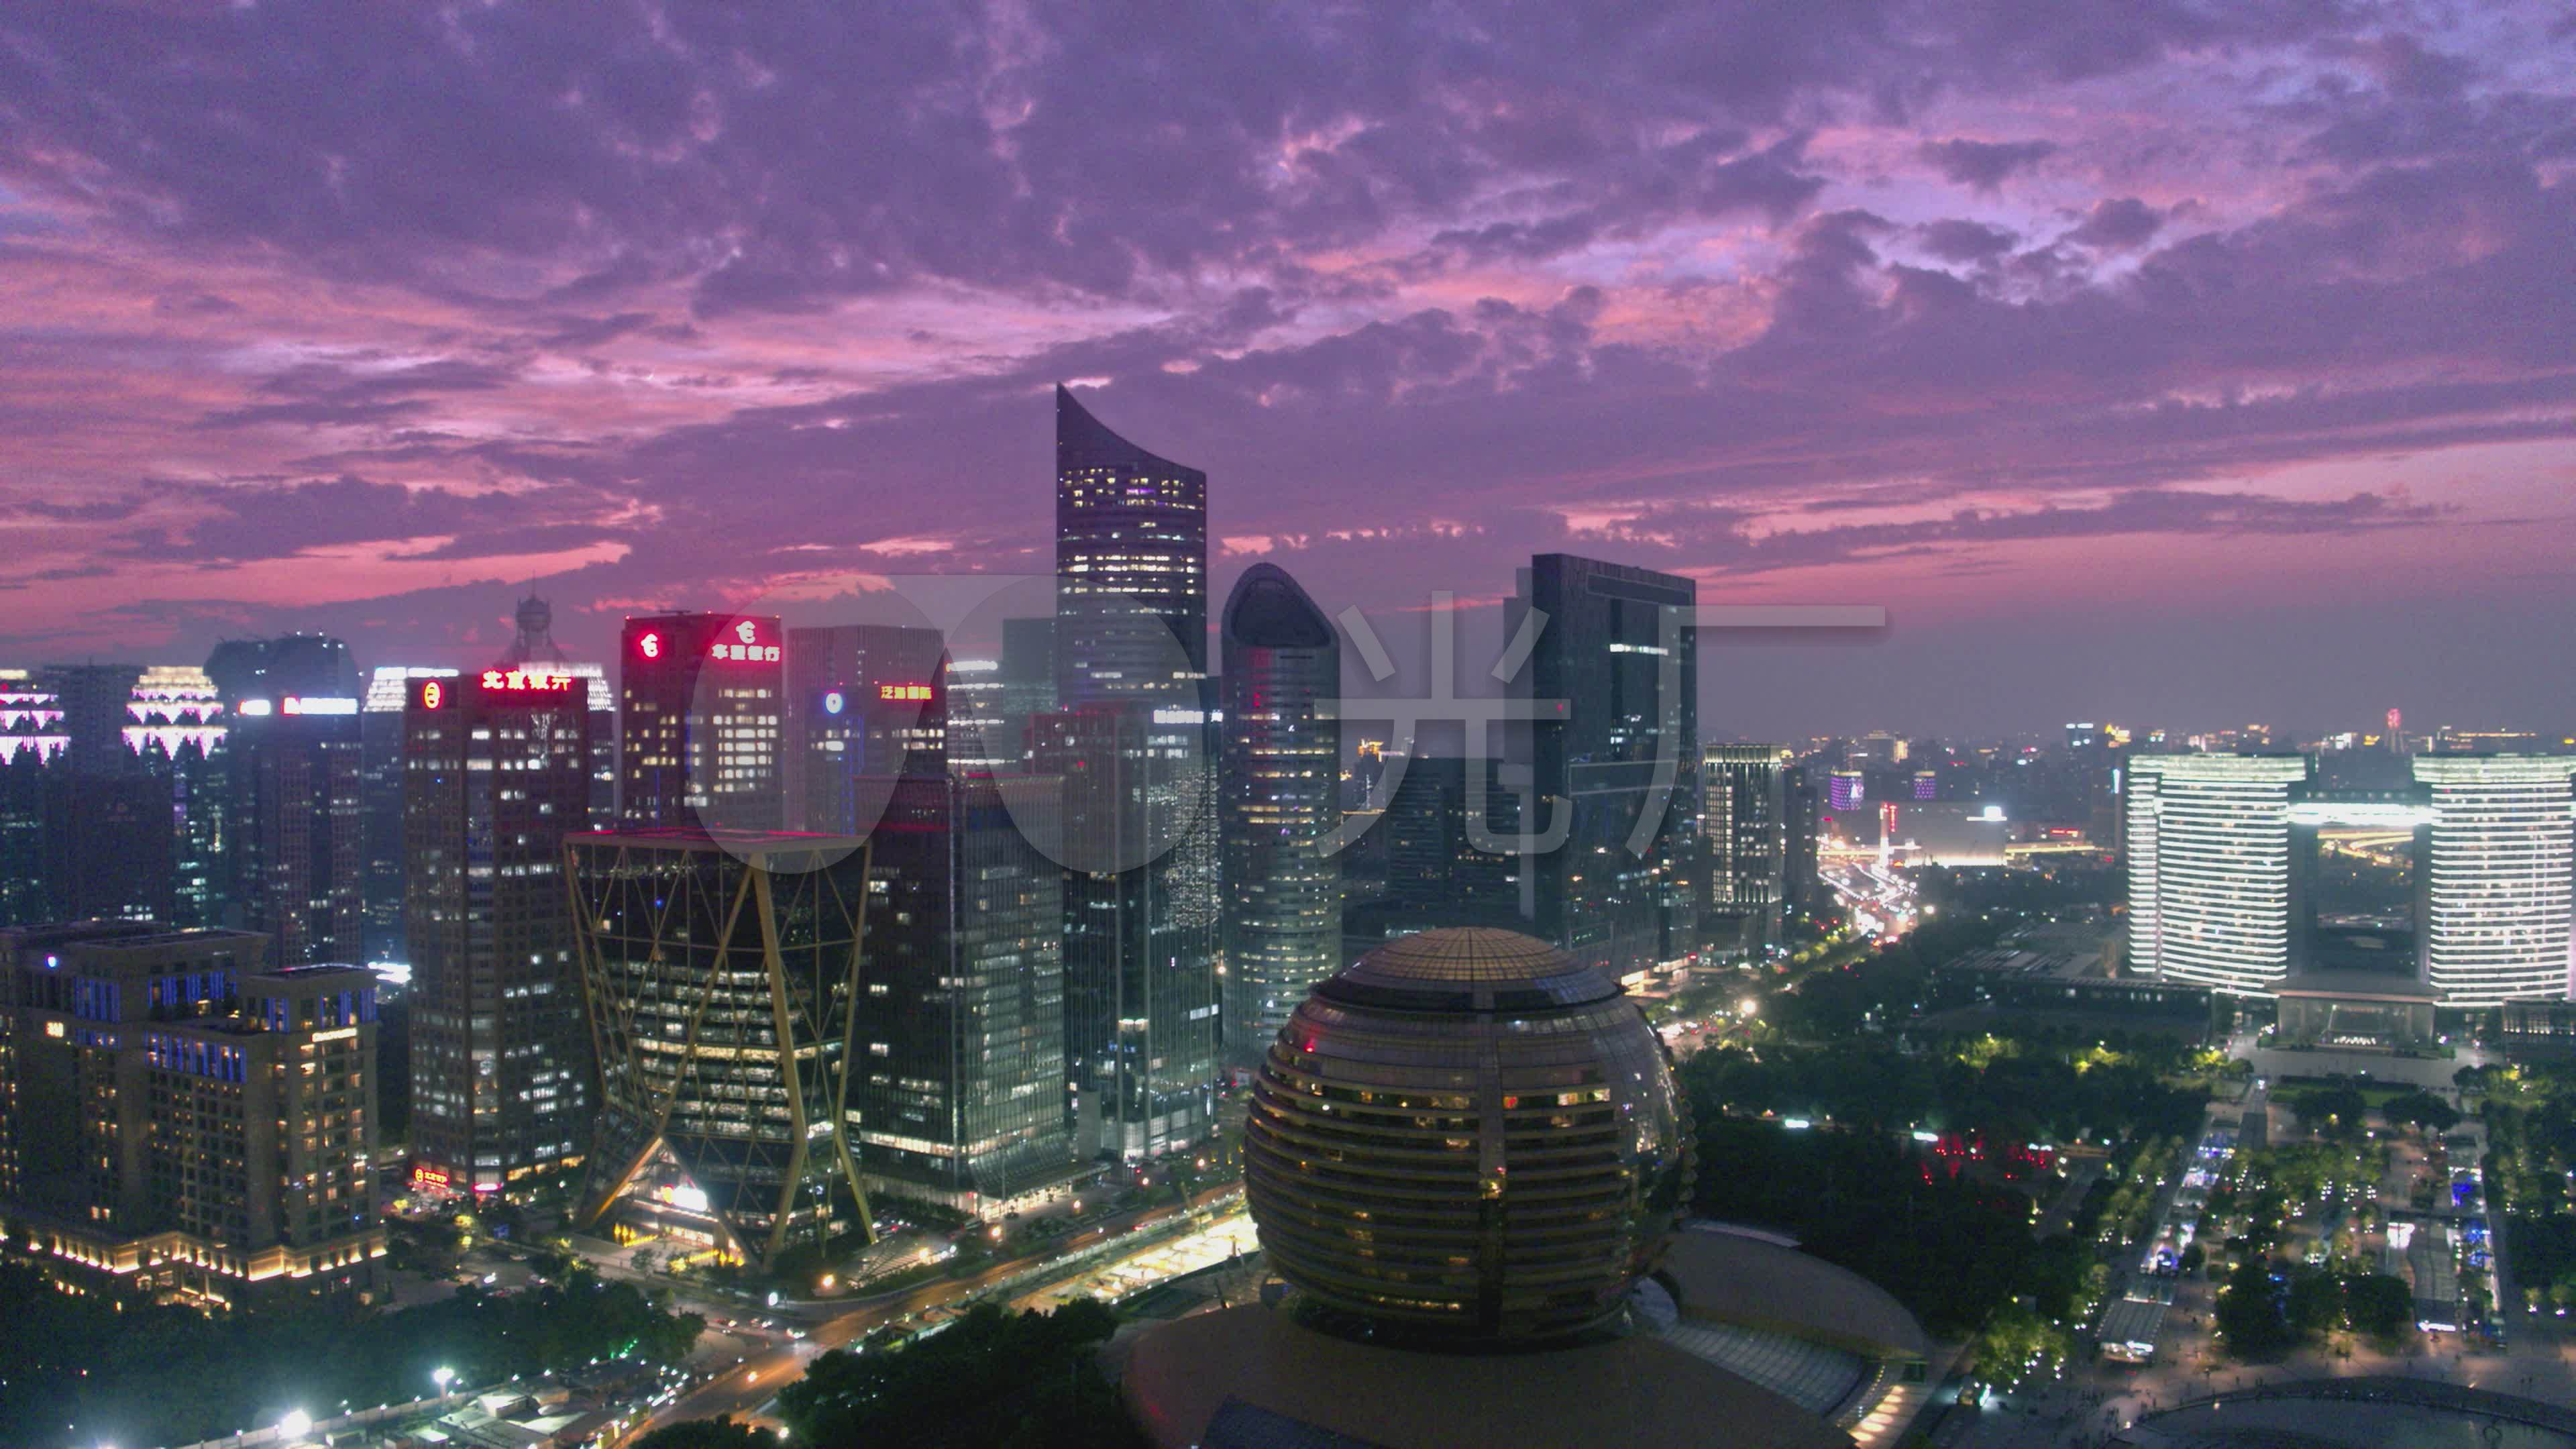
column 1868, row 888
column 742, row 1389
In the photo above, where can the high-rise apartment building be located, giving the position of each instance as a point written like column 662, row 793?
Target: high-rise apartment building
column 1131, row 567
column 182, row 1124
column 496, row 772
column 1744, row 825
column 2497, row 867
column 1141, row 936
column 1618, row 645
column 702, row 714
column 1279, row 802
column 720, row 973
column 959, row 1081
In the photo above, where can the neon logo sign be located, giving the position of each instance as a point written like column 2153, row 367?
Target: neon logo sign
column 431, row 696
column 903, row 691
column 526, row 681
column 650, row 646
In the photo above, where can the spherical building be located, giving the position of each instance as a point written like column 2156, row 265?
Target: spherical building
column 1465, row 1155
column 1466, row 1135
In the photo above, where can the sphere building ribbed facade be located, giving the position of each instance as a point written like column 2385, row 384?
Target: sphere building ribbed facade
column 1466, row 1134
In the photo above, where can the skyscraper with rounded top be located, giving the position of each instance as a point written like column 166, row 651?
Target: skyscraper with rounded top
column 1278, row 805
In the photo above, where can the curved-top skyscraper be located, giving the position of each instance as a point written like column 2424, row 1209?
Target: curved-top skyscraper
column 1131, row 738
column 1130, row 567
column 1278, row 805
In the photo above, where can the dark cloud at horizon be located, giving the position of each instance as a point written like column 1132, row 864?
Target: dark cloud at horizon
column 2012, row 319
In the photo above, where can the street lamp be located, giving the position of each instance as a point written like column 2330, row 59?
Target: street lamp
column 442, row 1376
column 295, row 1425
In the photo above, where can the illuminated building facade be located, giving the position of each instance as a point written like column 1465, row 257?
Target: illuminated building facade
column 1744, row 824
column 1279, row 803
column 1845, row 789
column 1132, row 738
column 701, row 712
column 496, row 772
column 183, row 1124
column 2209, row 868
column 959, row 1075
column 30, row 733
column 2222, row 847
column 1500, row 1118
column 720, row 975
column 1131, row 567
column 1140, row 923
column 1618, row 768
column 2497, row 869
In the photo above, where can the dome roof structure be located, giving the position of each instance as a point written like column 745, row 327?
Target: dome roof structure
column 1466, row 1136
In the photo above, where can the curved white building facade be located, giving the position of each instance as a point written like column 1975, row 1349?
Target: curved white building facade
column 2209, row 868
column 2499, row 874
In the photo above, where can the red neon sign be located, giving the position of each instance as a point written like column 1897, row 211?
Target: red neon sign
column 650, row 646
column 424, row 1175
column 526, row 681
column 903, row 691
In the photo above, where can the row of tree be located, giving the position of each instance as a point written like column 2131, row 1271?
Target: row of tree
column 172, row 1375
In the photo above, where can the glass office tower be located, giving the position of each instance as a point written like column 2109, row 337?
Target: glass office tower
column 720, row 971
column 1279, row 790
column 1617, row 770
column 1132, row 738
column 1131, row 566
column 1140, row 923
column 959, row 1072
column 1744, row 823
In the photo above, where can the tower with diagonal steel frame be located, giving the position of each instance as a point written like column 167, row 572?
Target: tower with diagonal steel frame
column 719, row 970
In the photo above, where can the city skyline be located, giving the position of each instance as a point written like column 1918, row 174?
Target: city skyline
column 2200, row 359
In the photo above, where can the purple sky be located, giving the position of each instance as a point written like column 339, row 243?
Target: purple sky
column 2154, row 360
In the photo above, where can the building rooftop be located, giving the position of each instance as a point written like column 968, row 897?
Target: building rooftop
column 1467, row 968
column 1755, row 1282
column 1253, row 1376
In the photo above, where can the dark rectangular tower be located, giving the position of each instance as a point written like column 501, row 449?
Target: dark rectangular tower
column 1618, row 769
